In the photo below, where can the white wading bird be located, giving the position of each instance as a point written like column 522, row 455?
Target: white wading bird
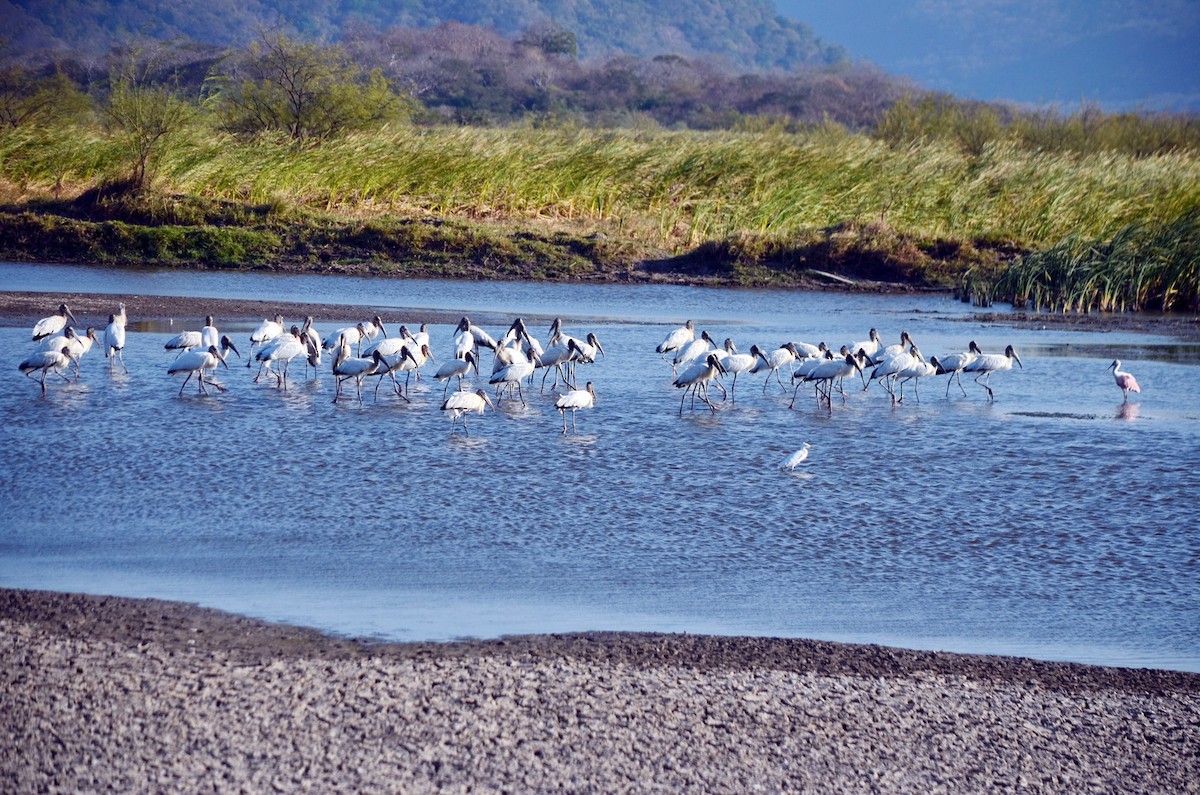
column 954, row 363
column 266, row 331
column 346, row 367
column 796, row 458
column 696, row 378
column 575, row 400
column 114, row 341
column 989, row 363
column 195, row 363
column 48, row 326
column 456, row 368
column 677, row 339
column 460, row 404
column 44, row 362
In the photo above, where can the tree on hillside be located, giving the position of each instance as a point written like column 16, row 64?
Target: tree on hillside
column 27, row 98
column 144, row 112
column 306, row 90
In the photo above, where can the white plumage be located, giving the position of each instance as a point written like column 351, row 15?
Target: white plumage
column 460, row 404
column 796, row 458
column 48, row 326
column 573, row 401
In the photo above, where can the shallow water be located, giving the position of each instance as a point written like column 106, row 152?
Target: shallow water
column 1054, row 523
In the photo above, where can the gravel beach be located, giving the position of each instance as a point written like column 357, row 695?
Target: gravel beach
column 131, row 695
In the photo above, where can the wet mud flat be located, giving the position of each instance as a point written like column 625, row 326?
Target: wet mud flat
column 145, row 695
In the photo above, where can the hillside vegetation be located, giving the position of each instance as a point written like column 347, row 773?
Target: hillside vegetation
column 747, row 34
column 337, row 168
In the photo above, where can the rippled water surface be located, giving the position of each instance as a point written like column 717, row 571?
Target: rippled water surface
column 1055, row 522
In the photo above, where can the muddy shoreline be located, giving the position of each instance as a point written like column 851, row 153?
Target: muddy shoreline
column 21, row 308
column 103, row 693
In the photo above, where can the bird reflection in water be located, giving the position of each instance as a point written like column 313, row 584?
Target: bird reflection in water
column 1127, row 411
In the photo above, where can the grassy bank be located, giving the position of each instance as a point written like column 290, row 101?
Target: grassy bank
column 747, row 208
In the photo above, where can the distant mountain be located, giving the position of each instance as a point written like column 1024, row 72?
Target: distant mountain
column 748, row 34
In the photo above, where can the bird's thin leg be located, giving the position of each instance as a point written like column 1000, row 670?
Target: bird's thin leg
column 520, row 393
column 43, row 382
column 181, row 386
column 721, row 387
column 682, row 398
column 563, row 412
column 795, row 391
column 572, row 421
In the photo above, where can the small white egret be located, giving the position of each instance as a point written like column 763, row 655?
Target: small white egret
column 796, row 458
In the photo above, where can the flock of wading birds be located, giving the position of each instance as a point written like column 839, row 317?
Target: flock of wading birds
column 365, row 350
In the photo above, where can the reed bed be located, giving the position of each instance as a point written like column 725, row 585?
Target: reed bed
column 1144, row 266
column 678, row 190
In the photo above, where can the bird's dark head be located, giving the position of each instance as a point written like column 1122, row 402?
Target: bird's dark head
column 227, row 345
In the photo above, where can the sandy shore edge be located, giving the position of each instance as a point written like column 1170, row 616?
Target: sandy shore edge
column 104, row 692
column 93, row 309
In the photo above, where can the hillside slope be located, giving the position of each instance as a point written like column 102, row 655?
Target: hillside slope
column 748, row 33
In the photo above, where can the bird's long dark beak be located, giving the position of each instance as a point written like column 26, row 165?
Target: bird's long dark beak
column 227, row 343
column 1017, row 359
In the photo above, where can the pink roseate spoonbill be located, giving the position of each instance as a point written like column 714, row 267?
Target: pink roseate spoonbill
column 1124, row 380
column 575, row 400
column 48, row 326
column 194, row 363
column 44, row 362
column 954, row 363
column 695, row 380
column 989, row 363
column 460, row 404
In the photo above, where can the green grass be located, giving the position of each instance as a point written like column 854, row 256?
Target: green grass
column 926, row 210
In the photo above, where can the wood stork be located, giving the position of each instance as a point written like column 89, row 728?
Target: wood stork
column 695, row 380
column 282, row 349
column 870, row 346
column 312, row 342
column 206, row 337
column 827, row 373
column 513, row 374
column 372, row 327
column 887, row 371
column 195, row 363
column 119, row 316
column 114, row 342
column 460, row 404
column 406, row 361
column 266, row 331
column 954, row 363
column 575, row 400
column 691, row 351
column 351, row 335
column 44, row 362
column 480, row 336
column 895, row 349
column 677, row 339
column 772, row 362
column 806, row 350
column 346, row 367
column 78, row 345
column 915, row 371
column 988, row 363
column 1125, row 380
column 558, row 356
column 49, row 326
column 737, row 363
column 795, row 459
column 456, row 368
